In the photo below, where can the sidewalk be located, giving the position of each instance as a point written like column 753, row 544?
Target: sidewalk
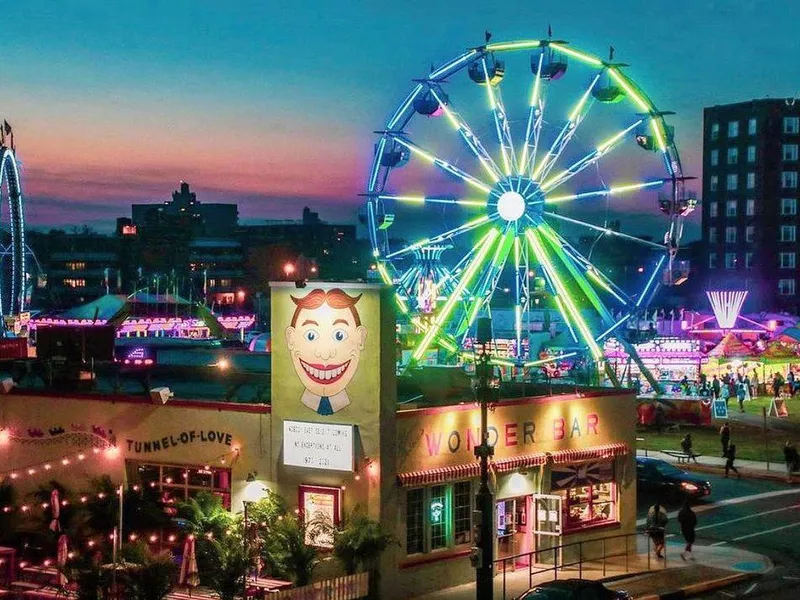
column 716, row 464
column 713, row 568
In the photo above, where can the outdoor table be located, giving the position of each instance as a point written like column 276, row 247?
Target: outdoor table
column 261, row 586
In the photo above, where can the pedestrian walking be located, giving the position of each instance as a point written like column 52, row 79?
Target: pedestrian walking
column 729, row 466
column 657, row 520
column 688, row 522
column 790, row 382
column 792, row 458
column 725, row 438
column 777, row 384
column 686, row 445
column 754, row 381
column 715, row 387
column 740, row 395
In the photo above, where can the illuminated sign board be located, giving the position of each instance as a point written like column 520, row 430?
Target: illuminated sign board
column 318, row 445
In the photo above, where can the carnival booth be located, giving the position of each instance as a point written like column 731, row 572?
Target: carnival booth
column 669, row 359
column 730, row 356
column 778, row 357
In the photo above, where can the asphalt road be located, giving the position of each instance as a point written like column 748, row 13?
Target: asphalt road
column 756, row 515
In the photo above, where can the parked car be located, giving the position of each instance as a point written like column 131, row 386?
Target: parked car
column 653, row 475
column 573, row 589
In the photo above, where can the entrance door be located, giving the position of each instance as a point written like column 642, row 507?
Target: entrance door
column 512, row 519
column 547, row 525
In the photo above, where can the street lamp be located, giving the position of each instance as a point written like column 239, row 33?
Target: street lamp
column 288, row 269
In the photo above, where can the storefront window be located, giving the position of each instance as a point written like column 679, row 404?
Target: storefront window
column 438, row 517
column 462, row 508
column 588, row 494
column 414, row 538
column 178, row 483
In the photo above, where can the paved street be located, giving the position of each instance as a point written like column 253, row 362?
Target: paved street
column 756, row 515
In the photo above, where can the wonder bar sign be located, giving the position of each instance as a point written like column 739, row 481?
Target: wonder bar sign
column 318, row 445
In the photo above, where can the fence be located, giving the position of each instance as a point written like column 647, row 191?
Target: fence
column 584, row 554
column 349, row 587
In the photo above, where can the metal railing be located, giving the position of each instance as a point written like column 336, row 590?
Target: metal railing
column 555, row 554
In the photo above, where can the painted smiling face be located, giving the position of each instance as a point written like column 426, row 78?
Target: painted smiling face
column 325, row 340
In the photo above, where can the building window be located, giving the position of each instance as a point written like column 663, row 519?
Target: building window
column 714, row 158
column 730, row 260
column 751, row 181
column 791, row 125
column 788, row 233
column 789, row 152
column 751, row 154
column 730, row 208
column 730, row 235
column 750, row 207
column 713, row 209
column 177, row 483
column 74, row 283
column 712, row 260
column 462, row 512
column 789, row 180
column 415, row 542
column 748, row 260
column 590, row 499
column 787, row 260
column 715, row 131
column 712, row 235
column 733, row 129
column 438, row 517
column 76, row 266
column 713, row 183
column 732, row 181
column 733, row 156
column 788, row 206
column 752, row 125
column 786, row 287
column 749, row 234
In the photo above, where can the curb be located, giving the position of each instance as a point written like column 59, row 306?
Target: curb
column 768, row 475
column 699, row 588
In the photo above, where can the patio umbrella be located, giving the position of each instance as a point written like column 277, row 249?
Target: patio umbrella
column 61, row 559
column 189, row 575
column 55, row 510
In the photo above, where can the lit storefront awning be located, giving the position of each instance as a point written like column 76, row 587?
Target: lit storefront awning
column 504, row 465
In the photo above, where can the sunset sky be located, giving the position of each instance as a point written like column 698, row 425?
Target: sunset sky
column 273, row 104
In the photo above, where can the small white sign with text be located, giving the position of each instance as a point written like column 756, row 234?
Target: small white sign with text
column 318, row 445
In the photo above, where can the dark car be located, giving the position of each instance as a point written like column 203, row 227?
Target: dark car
column 653, row 475
column 573, row 589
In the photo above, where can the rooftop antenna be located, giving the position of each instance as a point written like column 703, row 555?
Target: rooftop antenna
column 549, row 31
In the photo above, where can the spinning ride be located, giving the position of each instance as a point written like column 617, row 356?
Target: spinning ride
column 12, row 277
column 503, row 210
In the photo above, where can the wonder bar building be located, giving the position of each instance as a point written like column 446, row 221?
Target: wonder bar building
column 333, row 439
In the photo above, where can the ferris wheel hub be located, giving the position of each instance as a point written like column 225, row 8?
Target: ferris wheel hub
column 511, row 205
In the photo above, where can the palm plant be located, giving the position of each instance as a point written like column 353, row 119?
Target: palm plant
column 233, row 563
column 359, row 542
column 151, row 580
column 291, row 556
column 206, row 518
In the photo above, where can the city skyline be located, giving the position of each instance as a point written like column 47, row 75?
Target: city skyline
column 274, row 109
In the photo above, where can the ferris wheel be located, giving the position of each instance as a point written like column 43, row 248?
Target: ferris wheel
column 498, row 173
column 13, row 284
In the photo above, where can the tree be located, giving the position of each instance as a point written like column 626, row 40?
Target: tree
column 233, row 561
column 152, row 578
column 206, row 518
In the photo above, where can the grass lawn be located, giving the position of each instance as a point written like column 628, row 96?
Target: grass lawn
column 754, row 406
column 705, row 440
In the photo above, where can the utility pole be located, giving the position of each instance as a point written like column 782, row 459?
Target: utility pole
column 483, row 551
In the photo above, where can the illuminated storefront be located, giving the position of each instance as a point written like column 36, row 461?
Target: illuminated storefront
column 669, row 359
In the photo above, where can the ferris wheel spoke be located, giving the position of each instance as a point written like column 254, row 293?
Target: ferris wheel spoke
column 614, row 190
column 488, row 282
column 590, row 159
column 501, row 124
column 442, row 164
column 433, row 200
column 484, row 247
column 566, row 134
column 605, row 230
column 472, row 141
column 535, row 119
column 591, row 271
column 574, row 314
column 447, row 235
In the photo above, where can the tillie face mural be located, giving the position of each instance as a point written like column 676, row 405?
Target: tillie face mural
column 325, row 340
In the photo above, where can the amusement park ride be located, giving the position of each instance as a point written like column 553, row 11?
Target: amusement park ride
column 13, row 280
column 505, row 201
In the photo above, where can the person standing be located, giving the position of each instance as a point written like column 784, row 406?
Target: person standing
column 657, row 520
column 729, row 466
column 715, row 387
column 790, row 382
column 754, row 381
column 791, row 457
column 777, row 383
column 740, row 395
column 688, row 522
column 725, row 438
